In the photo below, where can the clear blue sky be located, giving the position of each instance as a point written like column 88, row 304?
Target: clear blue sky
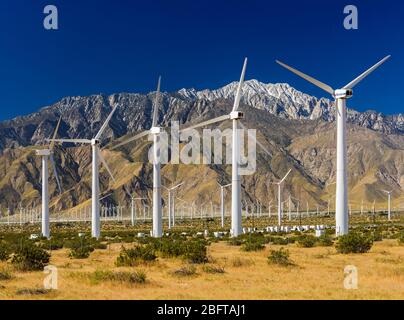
column 122, row 46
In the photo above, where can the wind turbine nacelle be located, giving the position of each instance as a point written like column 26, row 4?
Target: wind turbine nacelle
column 343, row 93
column 234, row 115
column 156, row 130
column 95, row 142
column 43, row 152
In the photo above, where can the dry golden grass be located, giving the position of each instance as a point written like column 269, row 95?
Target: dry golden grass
column 318, row 274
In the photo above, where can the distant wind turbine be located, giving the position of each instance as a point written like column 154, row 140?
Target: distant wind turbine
column 171, row 205
column 222, row 208
column 279, row 184
column 388, row 203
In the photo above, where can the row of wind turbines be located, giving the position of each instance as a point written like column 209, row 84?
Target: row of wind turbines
column 342, row 216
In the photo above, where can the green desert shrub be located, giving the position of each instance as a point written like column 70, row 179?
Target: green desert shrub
column 51, row 244
column 238, row 262
column 5, row 251
column 32, row 292
column 253, row 245
column 377, row 236
column 80, row 248
column 185, row 271
column 195, row 252
column 282, row 241
column 325, row 241
column 99, row 245
column 213, row 269
column 401, row 238
column 135, row 256
column 280, row 257
column 29, row 257
column 306, row 241
column 82, row 252
column 169, row 248
column 354, row 242
column 236, row 241
column 137, row 277
column 5, row 274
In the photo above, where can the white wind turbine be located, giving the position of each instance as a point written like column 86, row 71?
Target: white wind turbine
column 96, row 158
column 222, row 208
column 155, row 131
column 279, row 184
column 47, row 154
column 171, row 205
column 235, row 115
column 340, row 95
column 388, row 203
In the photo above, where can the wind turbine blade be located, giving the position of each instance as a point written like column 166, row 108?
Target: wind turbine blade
column 365, row 74
column 70, row 140
column 256, row 141
column 317, row 83
column 136, row 137
column 178, row 185
column 240, row 86
column 227, row 185
column 100, row 156
column 106, row 196
column 104, row 126
column 55, row 173
column 208, row 122
column 156, row 103
column 284, row 178
column 52, row 144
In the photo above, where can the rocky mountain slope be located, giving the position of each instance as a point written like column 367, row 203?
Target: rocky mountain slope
column 299, row 131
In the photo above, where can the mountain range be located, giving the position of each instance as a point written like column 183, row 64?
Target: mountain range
column 298, row 129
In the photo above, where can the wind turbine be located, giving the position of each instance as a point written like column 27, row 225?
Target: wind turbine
column 269, row 209
column 388, row 203
column 155, row 131
column 279, row 184
column 47, row 154
column 235, row 116
column 133, row 209
column 96, row 158
column 171, row 205
column 340, row 95
column 222, row 211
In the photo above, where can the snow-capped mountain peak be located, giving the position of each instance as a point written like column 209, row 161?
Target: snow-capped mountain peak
column 280, row 99
column 284, row 101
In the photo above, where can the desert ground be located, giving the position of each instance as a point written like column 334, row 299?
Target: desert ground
column 230, row 273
